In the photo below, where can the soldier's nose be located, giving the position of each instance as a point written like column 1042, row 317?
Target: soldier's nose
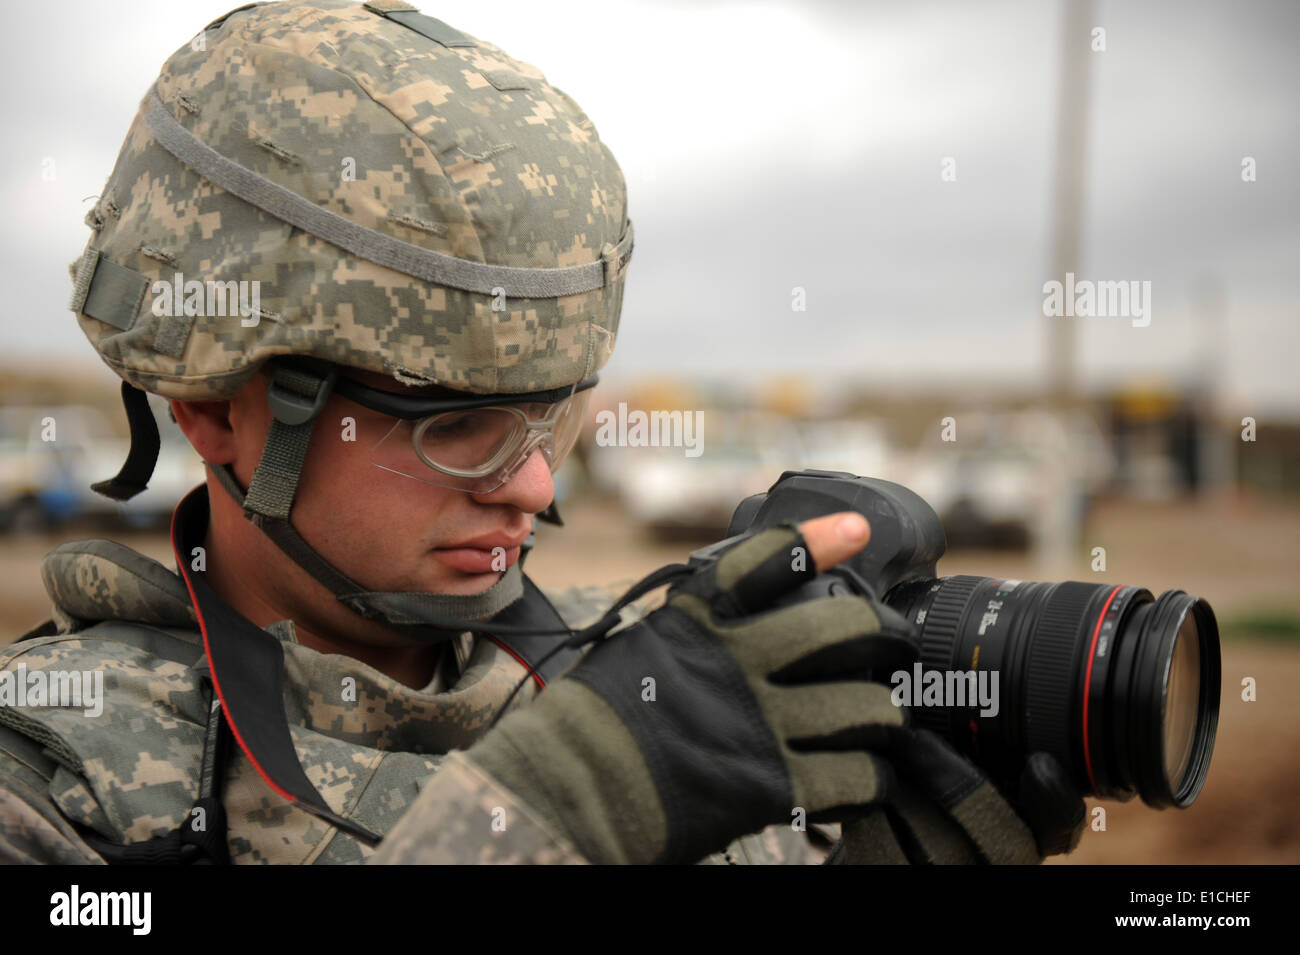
column 531, row 488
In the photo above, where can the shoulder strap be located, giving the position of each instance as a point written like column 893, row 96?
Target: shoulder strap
column 535, row 609
column 247, row 668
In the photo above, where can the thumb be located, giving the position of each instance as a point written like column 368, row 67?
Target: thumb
column 835, row 537
column 754, row 569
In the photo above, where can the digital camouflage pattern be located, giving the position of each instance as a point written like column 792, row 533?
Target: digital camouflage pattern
column 476, row 820
column 131, row 773
column 457, row 149
column 97, row 580
column 462, row 802
column 446, row 144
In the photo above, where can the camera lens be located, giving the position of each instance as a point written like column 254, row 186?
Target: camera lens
column 1121, row 687
column 1181, row 699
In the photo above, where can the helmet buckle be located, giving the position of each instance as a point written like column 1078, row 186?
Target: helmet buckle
column 290, row 402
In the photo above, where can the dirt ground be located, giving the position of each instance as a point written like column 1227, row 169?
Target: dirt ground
column 1242, row 554
column 1248, row 811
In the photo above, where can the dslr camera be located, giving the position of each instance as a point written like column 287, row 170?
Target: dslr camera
column 1120, row 686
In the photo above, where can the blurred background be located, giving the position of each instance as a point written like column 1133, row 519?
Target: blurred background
column 846, row 215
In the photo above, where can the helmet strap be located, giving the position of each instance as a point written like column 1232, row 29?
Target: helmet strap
column 143, row 456
column 296, row 395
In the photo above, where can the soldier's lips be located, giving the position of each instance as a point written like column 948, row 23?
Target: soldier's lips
column 478, row 560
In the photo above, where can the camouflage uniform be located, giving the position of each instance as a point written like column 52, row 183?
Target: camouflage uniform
column 410, row 201
column 131, row 773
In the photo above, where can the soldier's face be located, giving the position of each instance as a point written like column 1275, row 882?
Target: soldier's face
column 388, row 531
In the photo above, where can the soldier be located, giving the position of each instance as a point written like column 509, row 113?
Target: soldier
column 426, row 245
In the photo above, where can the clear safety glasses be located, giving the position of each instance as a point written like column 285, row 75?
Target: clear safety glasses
column 473, row 444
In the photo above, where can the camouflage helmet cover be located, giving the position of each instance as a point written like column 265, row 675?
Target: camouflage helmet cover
column 407, row 200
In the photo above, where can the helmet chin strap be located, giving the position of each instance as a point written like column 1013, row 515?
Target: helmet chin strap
column 296, row 394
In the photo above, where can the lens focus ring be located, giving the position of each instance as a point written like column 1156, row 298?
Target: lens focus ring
column 942, row 623
column 1051, row 669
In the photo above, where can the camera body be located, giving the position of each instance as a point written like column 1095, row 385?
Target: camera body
column 907, row 537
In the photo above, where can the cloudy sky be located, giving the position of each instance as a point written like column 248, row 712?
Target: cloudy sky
column 774, row 145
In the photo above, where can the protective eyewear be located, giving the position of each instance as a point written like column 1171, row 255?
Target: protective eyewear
column 475, row 443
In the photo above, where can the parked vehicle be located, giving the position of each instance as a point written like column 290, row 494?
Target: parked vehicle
column 1010, row 476
column 50, row 455
column 742, row 453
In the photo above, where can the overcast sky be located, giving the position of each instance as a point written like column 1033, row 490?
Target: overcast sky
column 773, row 145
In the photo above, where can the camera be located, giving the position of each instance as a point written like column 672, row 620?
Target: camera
column 1120, row 686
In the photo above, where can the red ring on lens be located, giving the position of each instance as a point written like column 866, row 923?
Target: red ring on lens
column 1087, row 685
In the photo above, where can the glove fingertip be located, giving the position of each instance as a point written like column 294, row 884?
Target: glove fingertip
column 1051, row 805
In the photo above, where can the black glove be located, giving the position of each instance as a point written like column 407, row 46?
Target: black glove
column 711, row 718
column 944, row 810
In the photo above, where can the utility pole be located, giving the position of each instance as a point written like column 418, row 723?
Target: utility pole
column 1067, row 195
column 1058, row 527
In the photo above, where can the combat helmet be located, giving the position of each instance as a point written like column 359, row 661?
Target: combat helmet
column 402, row 197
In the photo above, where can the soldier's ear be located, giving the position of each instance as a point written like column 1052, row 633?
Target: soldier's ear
column 208, row 426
